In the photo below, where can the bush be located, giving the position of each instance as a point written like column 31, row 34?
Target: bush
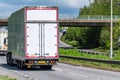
column 105, row 37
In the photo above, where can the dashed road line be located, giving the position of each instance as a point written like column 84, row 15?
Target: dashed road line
column 58, row 69
column 77, row 74
column 24, row 75
column 72, row 73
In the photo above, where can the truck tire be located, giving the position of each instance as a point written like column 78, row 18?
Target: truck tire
column 20, row 64
column 9, row 59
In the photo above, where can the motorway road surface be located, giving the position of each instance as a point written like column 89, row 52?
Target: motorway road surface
column 59, row 72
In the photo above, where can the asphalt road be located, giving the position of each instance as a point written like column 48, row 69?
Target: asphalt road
column 59, row 72
column 62, row 44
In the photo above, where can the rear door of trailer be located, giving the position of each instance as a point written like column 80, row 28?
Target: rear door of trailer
column 41, row 37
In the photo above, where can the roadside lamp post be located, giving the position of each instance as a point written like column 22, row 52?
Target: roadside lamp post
column 111, row 31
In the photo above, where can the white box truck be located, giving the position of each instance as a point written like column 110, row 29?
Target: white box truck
column 3, row 40
column 33, row 37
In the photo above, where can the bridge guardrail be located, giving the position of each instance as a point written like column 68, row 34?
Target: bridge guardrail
column 90, row 17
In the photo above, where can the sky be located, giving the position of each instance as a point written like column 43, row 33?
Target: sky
column 66, row 7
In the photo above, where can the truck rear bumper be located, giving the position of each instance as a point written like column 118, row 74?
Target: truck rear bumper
column 41, row 62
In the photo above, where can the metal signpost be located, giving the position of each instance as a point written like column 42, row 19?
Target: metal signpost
column 111, row 31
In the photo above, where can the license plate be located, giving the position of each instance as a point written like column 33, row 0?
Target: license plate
column 41, row 62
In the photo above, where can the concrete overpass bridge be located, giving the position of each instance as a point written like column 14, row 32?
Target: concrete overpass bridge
column 3, row 22
column 86, row 21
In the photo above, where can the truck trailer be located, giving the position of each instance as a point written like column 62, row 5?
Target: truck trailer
column 33, row 37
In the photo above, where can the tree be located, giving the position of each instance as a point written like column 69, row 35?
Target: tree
column 102, row 7
column 96, row 37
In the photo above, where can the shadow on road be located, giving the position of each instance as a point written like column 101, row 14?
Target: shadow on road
column 17, row 69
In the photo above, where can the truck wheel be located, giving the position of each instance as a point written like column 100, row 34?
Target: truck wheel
column 22, row 66
column 10, row 59
column 18, row 64
column 7, row 59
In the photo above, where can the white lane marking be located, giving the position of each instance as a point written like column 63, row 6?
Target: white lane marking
column 98, row 79
column 26, row 76
column 77, row 74
column 58, row 69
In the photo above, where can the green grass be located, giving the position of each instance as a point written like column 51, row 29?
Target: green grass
column 74, row 52
column 6, row 78
column 117, row 54
column 73, row 43
column 113, row 67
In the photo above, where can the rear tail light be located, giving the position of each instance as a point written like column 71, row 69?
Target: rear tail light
column 52, row 62
column 31, row 62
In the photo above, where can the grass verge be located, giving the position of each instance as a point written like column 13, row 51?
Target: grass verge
column 111, row 67
column 74, row 52
column 6, row 78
